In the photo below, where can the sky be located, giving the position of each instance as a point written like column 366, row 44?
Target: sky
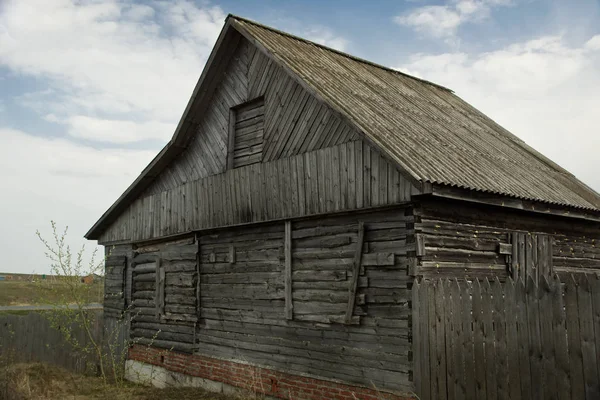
column 90, row 91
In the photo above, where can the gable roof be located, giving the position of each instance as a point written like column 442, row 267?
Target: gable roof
column 432, row 134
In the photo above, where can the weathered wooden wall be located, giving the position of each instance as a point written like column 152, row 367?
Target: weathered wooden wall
column 344, row 177
column 507, row 340
column 243, row 297
column 164, row 308
column 469, row 240
column 294, row 121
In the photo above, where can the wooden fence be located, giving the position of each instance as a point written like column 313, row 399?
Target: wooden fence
column 31, row 338
column 507, row 340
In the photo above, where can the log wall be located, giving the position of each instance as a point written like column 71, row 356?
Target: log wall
column 344, row 177
column 470, row 240
column 243, row 297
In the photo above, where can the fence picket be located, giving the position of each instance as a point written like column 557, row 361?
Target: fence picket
column 523, row 335
column 535, row 350
column 449, row 312
column 575, row 356
column 512, row 338
column 595, row 290
column 499, row 323
column 416, row 336
column 426, row 355
column 559, row 330
column 547, row 345
column 488, row 334
column 478, row 342
column 588, row 344
column 467, row 328
column 458, row 366
column 440, row 339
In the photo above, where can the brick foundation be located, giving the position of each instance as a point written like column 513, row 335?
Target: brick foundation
column 256, row 379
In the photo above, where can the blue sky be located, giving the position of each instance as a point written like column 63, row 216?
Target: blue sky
column 91, row 90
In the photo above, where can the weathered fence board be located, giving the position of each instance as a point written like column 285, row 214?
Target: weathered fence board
column 525, row 339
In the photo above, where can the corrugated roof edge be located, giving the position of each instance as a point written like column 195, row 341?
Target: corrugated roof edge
column 512, row 196
column 361, row 60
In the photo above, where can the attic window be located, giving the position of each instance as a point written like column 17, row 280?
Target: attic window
column 246, row 128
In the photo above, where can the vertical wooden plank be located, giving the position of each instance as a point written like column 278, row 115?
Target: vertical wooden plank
column 588, row 343
column 425, row 392
column 351, row 174
column 522, row 260
column 575, row 355
column 499, row 326
column 533, row 319
column 416, row 337
column 432, row 330
column 547, row 344
column 358, row 164
column 468, row 337
column 198, row 277
column 559, row 333
column 479, row 341
column 460, row 377
column 595, row 291
column 450, row 328
column 522, row 327
column 488, row 334
column 440, row 302
column 356, row 272
column 512, row 339
column 289, row 306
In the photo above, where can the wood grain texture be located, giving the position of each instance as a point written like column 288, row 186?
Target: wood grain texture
column 271, row 194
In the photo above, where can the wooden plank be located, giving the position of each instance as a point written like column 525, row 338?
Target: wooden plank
column 560, row 341
column 425, row 373
column 548, row 351
column 595, row 292
column 574, row 338
column 523, row 336
column 479, row 341
column 499, row 325
column 432, row 338
column 450, row 336
column 491, row 360
column 416, row 337
column 512, row 339
column 460, row 377
column 468, row 337
column 588, row 343
column 440, row 361
column 533, row 322
column 355, row 271
column 289, row 305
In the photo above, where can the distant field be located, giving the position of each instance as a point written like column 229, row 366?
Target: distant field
column 16, row 293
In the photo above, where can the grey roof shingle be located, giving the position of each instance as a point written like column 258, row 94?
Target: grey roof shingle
column 428, row 130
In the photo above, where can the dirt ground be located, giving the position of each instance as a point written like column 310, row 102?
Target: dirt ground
column 39, row 381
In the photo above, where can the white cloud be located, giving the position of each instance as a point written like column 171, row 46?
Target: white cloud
column 45, row 179
column 117, row 131
column 542, row 90
column 444, row 21
column 109, row 58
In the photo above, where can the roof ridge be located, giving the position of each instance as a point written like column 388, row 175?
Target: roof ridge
column 344, row 54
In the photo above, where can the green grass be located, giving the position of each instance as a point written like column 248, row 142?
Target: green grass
column 15, row 293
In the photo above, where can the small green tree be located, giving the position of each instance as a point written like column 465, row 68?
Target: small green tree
column 69, row 297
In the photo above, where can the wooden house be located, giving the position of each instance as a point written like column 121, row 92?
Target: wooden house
column 274, row 241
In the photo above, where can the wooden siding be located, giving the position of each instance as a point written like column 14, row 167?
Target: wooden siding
column 295, row 122
column 344, row 177
column 116, row 283
column 246, row 135
column 469, row 240
column 164, row 308
column 243, row 298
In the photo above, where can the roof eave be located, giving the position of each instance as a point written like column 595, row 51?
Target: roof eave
column 180, row 137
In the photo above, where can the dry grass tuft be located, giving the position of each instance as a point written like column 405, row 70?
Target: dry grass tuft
column 41, row 381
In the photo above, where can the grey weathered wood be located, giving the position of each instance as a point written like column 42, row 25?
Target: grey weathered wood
column 573, row 335
column 588, row 344
column 512, row 337
column 355, row 271
column 491, row 358
column 416, row 338
column 289, row 305
column 478, row 342
column 548, row 350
